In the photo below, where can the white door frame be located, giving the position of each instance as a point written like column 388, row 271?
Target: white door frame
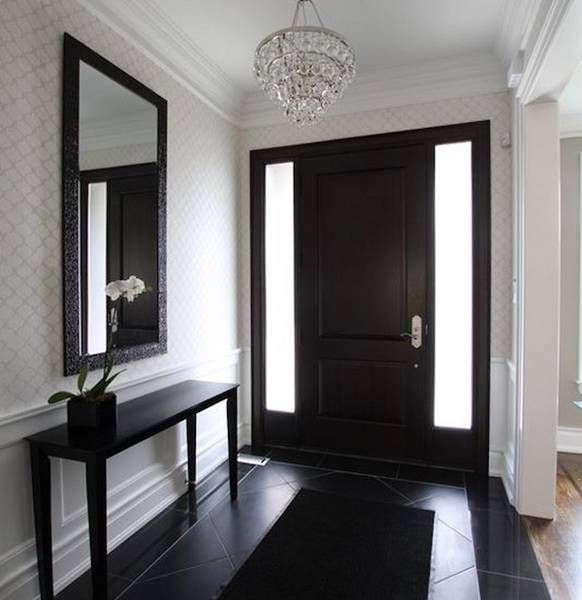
column 552, row 60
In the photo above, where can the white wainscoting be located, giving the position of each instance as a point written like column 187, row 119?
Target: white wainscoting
column 142, row 481
column 501, row 453
column 570, row 440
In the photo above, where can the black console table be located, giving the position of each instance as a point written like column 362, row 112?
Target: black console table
column 138, row 420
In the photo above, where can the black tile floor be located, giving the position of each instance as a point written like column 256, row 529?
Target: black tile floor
column 193, row 547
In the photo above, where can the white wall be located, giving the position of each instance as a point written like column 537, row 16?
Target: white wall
column 203, row 287
column 540, row 309
column 493, row 107
column 570, row 151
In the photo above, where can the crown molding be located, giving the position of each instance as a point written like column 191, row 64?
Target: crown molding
column 555, row 55
column 120, row 131
column 518, row 20
column 411, row 84
column 144, row 24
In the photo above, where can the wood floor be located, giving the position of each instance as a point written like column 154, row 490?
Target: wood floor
column 558, row 543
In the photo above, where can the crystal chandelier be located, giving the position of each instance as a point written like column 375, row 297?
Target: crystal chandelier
column 305, row 68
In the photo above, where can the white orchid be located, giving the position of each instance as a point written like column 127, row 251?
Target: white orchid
column 128, row 288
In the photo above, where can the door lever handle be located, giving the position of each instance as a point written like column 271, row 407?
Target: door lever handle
column 415, row 335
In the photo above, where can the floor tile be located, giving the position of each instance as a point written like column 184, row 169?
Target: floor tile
column 292, row 473
column 80, row 589
column 359, row 465
column 431, row 475
column 136, row 554
column 464, row 586
column 257, row 451
column 200, row 545
column 296, row 457
column 239, row 559
column 487, row 493
column 199, row 583
column 450, row 506
column 357, row 486
column 453, row 553
column 419, row 491
column 243, row 523
column 502, row 544
column 500, row 587
column 262, row 477
column 210, row 491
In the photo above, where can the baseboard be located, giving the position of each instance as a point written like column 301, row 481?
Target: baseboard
column 496, row 463
column 500, row 465
column 570, row 440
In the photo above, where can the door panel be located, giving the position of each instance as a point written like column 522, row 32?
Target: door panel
column 362, row 277
column 361, row 274
column 357, row 390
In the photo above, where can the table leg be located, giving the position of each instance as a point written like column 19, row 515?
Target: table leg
column 96, row 476
column 231, row 419
column 191, row 439
column 41, row 497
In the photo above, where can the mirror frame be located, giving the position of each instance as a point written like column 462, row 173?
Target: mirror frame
column 76, row 52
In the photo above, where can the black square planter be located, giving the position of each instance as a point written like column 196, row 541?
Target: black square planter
column 92, row 416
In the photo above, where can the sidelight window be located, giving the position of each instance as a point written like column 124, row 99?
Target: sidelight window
column 453, row 326
column 279, row 288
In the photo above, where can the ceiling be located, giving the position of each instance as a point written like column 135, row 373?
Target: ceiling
column 571, row 98
column 385, row 33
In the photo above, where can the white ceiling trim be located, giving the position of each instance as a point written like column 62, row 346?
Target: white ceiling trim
column 142, row 23
column 518, row 20
column 553, row 61
column 413, row 84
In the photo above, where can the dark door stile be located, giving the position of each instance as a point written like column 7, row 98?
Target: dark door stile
column 423, row 443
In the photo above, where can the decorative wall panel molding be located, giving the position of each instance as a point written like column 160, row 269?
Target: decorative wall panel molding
column 157, row 469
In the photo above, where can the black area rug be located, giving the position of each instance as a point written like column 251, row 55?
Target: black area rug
column 328, row 547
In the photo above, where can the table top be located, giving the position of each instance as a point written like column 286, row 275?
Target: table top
column 137, row 420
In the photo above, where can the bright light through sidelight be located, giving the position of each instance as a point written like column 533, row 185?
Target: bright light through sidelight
column 97, row 267
column 279, row 288
column 453, row 327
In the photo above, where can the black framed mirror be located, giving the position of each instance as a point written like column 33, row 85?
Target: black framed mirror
column 114, row 208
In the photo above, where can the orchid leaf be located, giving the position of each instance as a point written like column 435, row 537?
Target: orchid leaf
column 100, row 387
column 83, row 371
column 60, row 396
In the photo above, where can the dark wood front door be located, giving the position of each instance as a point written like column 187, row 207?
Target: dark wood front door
column 362, row 278
column 364, row 266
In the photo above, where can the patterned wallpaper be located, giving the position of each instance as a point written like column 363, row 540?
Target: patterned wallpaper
column 202, row 205
column 495, row 107
column 208, row 218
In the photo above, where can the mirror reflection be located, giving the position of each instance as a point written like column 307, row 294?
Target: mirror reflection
column 118, row 208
